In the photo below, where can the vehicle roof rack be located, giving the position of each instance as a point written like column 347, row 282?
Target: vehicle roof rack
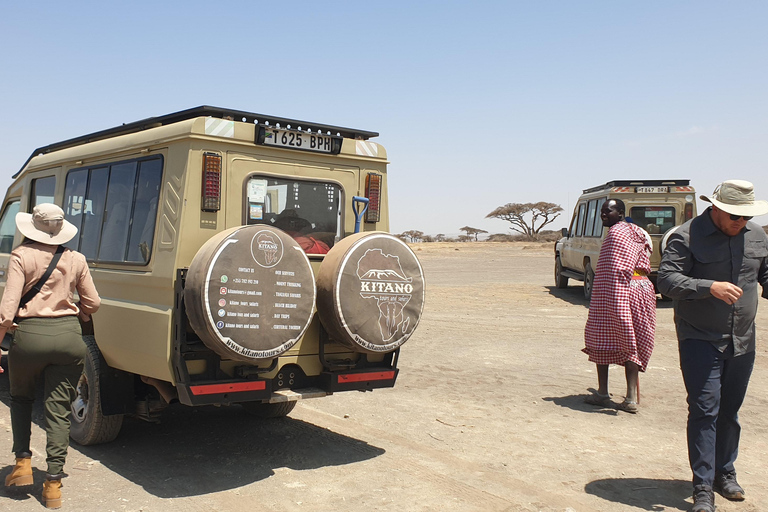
column 191, row 113
column 637, row 183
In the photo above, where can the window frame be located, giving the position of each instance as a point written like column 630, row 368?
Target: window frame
column 132, row 207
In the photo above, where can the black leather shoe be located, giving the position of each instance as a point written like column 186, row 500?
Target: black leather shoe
column 728, row 487
column 703, row 499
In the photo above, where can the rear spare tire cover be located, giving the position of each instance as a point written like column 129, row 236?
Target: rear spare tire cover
column 250, row 293
column 370, row 292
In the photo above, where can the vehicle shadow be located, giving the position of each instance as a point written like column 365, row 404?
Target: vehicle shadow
column 575, row 296
column 643, row 493
column 202, row 450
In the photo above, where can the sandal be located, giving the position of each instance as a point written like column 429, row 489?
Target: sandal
column 629, row 406
column 599, row 400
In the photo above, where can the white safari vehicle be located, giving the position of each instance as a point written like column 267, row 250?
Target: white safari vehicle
column 241, row 259
column 655, row 205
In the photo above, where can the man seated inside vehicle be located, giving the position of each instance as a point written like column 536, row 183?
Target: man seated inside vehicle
column 301, row 230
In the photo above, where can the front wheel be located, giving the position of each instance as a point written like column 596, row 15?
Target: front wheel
column 89, row 425
column 589, row 281
column 561, row 281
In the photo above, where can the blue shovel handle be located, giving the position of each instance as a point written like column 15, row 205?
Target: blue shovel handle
column 356, row 200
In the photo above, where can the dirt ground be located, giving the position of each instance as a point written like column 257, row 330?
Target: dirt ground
column 487, row 415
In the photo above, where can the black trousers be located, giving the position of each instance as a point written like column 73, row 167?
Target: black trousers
column 716, row 383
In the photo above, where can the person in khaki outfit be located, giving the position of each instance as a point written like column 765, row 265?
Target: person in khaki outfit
column 47, row 338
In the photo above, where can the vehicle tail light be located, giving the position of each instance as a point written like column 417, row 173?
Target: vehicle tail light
column 688, row 211
column 373, row 193
column 211, row 200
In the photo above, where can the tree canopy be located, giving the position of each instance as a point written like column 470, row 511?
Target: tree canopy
column 472, row 231
column 517, row 213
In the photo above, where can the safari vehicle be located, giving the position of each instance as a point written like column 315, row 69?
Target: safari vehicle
column 654, row 205
column 241, row 259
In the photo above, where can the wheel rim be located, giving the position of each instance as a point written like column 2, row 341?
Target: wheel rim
column 588, row 278
column 80, row 404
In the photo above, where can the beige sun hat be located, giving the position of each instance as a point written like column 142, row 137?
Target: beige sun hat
column 46, row 224
column 737, row 197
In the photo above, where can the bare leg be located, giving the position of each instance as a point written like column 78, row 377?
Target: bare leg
column 602, row 379
column 632, row 370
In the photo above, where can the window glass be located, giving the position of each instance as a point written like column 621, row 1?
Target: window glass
column 42, row 191
column 582, row 216
column 93, row 212
column 598, row 231
column 115, row 209
column 74, row 202
column 654, row 219
column 145, row 212
column 8, row 226
column 309, row 211
column 117, row 217
column 590, row 225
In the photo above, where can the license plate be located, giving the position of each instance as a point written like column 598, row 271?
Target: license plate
column 298, row 140
column 652, row 190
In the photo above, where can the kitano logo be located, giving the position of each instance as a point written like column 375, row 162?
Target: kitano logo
column 382, row 279
column 382, row 287
column 266, row 248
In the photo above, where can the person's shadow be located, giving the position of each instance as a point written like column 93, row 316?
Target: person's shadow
column 643, row 493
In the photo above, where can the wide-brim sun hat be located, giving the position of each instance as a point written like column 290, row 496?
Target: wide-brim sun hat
column 46, row 224
column 737, row 197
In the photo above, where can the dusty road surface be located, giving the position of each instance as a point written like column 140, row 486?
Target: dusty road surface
column 487, row 415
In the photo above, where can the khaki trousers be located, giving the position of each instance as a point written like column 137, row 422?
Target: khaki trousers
column 53, row 348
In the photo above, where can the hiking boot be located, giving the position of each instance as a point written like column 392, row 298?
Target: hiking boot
column 703, row 499
column 52, row 493
column 728, row 487
column 21, row 474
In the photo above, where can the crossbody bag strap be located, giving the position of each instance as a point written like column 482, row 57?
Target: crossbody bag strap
column 39, row 285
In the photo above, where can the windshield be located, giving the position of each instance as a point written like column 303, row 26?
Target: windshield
column 309, row 211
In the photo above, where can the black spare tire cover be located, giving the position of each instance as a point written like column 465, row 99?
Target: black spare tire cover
column 250, row 293
column 370, row 292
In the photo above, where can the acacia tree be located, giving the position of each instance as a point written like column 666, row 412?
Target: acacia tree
column 515, row 214
column 472, row 231
column 413, row 235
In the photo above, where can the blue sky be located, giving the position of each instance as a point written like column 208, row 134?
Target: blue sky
column 478, row 103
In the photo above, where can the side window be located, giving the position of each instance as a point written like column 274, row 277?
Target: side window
column 117, row 217
column 93, row 212
column 115, row 209
column 8, row 226
column 591, row 211
column 582, row 218
column 145, row 211
column 42, row 191
column 598, row 231
column 74, row 202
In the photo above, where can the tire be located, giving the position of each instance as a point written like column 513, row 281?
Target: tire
column 370, row 292
column 267, row 410
column 89, row 425
column 561, row 281
column 589, row 281
column 231, row 289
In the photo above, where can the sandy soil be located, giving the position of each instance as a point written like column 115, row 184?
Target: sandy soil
column 487, row 415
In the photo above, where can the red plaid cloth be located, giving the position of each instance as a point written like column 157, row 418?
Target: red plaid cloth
column 622, row 312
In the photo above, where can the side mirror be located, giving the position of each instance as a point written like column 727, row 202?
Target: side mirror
column 564, row 232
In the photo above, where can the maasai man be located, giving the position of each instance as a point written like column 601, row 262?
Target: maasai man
column 622, row 312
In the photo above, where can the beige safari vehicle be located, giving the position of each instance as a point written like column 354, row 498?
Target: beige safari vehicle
column 240, row 258
column 655, row 205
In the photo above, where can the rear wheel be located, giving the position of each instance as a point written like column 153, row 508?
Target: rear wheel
column 267, row 410
column 589, row 280
column 561, row 281
column 89, row 425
